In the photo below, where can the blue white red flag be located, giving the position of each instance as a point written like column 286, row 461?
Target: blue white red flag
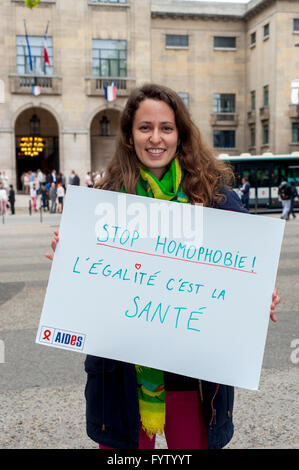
column 110, row 92
column 46, row 55
column 28, row 47
column 36, row 90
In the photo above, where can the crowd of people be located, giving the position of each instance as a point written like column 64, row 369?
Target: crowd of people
column 50, row 188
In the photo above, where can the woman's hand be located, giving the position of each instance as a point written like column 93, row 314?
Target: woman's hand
column 275, row 301
column 53, row 245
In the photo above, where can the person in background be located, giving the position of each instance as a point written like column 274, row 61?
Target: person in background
column 33, row 195
column 11, row 199
column 27, row 183
column 22, row 178
column 41, row 177
column 53, row 177
column 44, row 197
column 245, row 193
column 3, row 199
column 88, row 180
column 31, row 179
column 5, row 180
column 61, row 179
column 294, row 195
column 53, row 197
column 76, row 179
column 285, row 193
column 71, row 177
column 60, row 196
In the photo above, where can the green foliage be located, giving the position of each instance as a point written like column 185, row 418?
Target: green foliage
column 31, row 3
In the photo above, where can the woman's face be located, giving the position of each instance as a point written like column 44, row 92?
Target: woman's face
column 155, row 135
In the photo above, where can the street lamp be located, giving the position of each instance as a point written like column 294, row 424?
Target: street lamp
column 34, row 125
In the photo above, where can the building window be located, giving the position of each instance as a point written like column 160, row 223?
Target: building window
column 296, row 25
column 36, row 44
column 252, row 100
column 177, row 40
column 224, row 103
column 266, row 31
column 109, row 58
column 224, row 42
column 252, row 39
column 185, row 98
column 109, row 1
column 224, row 139
column 252, row 136
column 265, row 134
column 104, row 127
column 266, row 95
column 295, row 92
column 295, row 132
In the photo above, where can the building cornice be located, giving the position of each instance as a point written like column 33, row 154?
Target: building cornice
column 210, row 10
column 195, row 10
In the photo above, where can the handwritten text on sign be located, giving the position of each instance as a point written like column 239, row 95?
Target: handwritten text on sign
column 122, row 290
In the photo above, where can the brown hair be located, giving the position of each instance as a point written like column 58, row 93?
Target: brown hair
column 203, row 175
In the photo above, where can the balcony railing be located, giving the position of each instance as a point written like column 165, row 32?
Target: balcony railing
column 95, row 86
column 264, row 113
column 294, row 111
column 251, row 117
column 224, row 119
column 22, row 84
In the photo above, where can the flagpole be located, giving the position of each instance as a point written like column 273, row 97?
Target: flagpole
column 28, row 47
column 46, row 32
column 46, row 55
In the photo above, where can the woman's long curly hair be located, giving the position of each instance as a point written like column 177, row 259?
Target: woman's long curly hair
column 203, row 175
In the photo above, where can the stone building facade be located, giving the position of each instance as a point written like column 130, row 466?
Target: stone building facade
column 235, row 65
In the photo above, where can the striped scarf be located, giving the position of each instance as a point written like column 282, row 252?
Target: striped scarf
column 169, row 188
column 150, row 382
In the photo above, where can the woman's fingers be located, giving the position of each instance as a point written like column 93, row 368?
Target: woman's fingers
column 53, row 245
column 275, row 301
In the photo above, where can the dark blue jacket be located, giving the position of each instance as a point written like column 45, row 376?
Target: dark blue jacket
column 112, row 409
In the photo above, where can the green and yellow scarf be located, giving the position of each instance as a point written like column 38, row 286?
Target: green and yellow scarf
column 150, row 382
column 169, row 188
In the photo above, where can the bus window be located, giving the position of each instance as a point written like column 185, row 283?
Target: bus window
column 278, row 175
column 262, row 177
column 293, row 174
column 249, row 174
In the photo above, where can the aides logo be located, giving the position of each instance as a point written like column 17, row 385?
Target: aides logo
column 62, row 338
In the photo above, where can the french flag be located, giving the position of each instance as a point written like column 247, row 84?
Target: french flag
column 46, row 55
column 110, row 92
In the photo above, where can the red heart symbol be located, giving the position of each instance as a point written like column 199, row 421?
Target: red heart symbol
column 137, row 266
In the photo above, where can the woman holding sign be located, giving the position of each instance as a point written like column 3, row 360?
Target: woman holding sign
column 160, row 154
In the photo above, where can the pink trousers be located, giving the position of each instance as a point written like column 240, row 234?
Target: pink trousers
column 184, row 423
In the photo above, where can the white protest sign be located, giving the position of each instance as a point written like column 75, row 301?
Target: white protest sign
column 172, row 286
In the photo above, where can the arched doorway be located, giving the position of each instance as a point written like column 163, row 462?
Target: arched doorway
column 37, row 143
column 103, row 130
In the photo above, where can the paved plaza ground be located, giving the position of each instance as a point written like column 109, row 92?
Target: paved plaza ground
column 42, row 389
